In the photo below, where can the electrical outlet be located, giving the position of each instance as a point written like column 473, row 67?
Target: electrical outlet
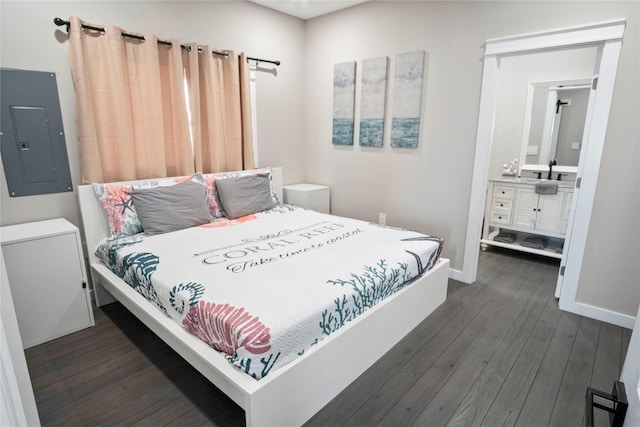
column 382, row 219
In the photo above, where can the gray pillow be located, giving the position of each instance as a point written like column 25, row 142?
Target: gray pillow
column 244, row 195
column 165, row 209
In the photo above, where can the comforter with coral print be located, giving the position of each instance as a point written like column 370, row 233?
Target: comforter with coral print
column 265, row 288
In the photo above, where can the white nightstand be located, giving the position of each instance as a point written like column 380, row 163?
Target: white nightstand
column 45, row 265
column 308, row 196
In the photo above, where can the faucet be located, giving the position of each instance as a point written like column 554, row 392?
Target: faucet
column 552, row 163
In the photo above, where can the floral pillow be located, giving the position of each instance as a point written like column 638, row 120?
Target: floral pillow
column 118, row 205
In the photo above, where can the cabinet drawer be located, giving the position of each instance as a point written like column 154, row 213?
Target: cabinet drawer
column 500, row 218
column 502, row 205
column 504, row 192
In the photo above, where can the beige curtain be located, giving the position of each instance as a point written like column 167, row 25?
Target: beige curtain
column 177, row 140
column 219, row 92
column 131, row 117
column 190, row 63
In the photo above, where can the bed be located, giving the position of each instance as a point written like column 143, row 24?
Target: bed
column 295, row 391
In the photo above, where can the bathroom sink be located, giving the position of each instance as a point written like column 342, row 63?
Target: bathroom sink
column 562, row 184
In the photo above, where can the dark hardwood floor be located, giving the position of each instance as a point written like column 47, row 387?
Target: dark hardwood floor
column 497, row 352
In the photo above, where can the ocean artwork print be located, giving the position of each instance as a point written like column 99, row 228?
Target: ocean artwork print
column 344, row 98
column 372, row 101
column 407, row 99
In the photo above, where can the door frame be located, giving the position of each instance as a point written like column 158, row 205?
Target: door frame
column 607, row 36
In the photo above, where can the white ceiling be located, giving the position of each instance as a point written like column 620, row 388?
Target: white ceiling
column 307, row 9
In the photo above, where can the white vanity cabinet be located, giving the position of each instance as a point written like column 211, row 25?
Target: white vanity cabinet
column 45, row 266
column 539, row 212
column 515, row 212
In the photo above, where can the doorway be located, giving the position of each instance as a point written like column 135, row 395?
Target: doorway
column 607, row 37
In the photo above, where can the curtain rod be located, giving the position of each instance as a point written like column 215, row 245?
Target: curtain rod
column 60, row 22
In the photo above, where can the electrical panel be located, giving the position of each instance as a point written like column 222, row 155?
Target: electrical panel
column 34, row 151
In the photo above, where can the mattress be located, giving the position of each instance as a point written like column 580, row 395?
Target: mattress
column 265, row 288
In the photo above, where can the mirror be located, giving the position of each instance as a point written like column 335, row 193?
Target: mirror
column 555, row 113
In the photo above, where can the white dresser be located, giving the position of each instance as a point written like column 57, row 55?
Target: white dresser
column 47, row 276
column 515, row 211
column 308, row 196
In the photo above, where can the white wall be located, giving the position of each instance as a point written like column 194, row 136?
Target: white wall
column 29, row 40
column 428, row 189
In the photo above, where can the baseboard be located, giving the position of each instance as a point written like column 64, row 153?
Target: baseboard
column 457, row 275
column 598, row 313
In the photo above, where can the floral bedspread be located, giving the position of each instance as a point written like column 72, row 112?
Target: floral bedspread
column 265, row 288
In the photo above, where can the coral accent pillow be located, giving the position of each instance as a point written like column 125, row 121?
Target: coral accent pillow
column 118, row 206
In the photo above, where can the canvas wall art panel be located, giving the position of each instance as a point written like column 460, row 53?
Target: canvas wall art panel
column 407, row 99
column 372, row 101
column 344, row 97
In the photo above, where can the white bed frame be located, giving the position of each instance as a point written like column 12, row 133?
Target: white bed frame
column 291, row 395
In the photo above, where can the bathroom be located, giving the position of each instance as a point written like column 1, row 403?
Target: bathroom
column 541, row 107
